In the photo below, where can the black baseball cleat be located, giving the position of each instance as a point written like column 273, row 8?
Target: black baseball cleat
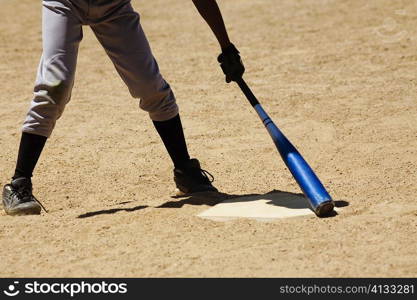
column 192, row 179
column 18, row 198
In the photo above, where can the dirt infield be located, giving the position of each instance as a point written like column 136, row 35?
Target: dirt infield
column 338, row 77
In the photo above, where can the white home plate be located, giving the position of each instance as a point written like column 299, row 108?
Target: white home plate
column 266, row 207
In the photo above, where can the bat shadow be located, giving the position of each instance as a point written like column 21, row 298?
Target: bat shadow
column 294, row 201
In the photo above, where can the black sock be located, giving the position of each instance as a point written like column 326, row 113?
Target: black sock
column 172, row 135
column 30, row 149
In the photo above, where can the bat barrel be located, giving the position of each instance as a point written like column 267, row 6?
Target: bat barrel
column 313, row 189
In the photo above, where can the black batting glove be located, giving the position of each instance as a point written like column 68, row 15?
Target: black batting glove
column 231, row 63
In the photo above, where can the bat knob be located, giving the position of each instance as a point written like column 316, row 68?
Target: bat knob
column 325, row 208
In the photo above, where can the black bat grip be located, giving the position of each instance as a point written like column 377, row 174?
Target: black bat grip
column 247, row 91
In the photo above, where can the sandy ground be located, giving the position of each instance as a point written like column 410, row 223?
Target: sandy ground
column 338, row 77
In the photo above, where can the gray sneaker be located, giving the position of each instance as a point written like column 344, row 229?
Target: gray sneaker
column 18, row 198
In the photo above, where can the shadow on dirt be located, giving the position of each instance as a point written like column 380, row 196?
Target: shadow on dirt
column 204, row 198
column 275, row 197
column 111, row 211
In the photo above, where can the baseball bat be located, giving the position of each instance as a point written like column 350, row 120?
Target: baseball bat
column 320, row 200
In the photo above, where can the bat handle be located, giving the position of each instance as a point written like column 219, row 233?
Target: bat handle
column 247, row 91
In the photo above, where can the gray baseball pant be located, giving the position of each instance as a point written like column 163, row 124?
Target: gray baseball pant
column 117, row 27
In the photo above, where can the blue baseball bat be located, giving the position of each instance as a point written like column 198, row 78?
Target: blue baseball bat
column 320, row 200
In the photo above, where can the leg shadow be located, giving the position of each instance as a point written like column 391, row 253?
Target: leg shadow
column 203, row 198
column 110, row 211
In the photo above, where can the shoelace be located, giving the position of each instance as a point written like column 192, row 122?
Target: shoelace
column 24, row 193
column 43, row 207
column 205, row 173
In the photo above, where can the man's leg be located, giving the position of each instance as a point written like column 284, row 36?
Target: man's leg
column 127, row 46
column 61, row 34
column 172, row 135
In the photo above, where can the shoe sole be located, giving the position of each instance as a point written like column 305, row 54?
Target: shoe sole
column 23, row 211
column 179, row 193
